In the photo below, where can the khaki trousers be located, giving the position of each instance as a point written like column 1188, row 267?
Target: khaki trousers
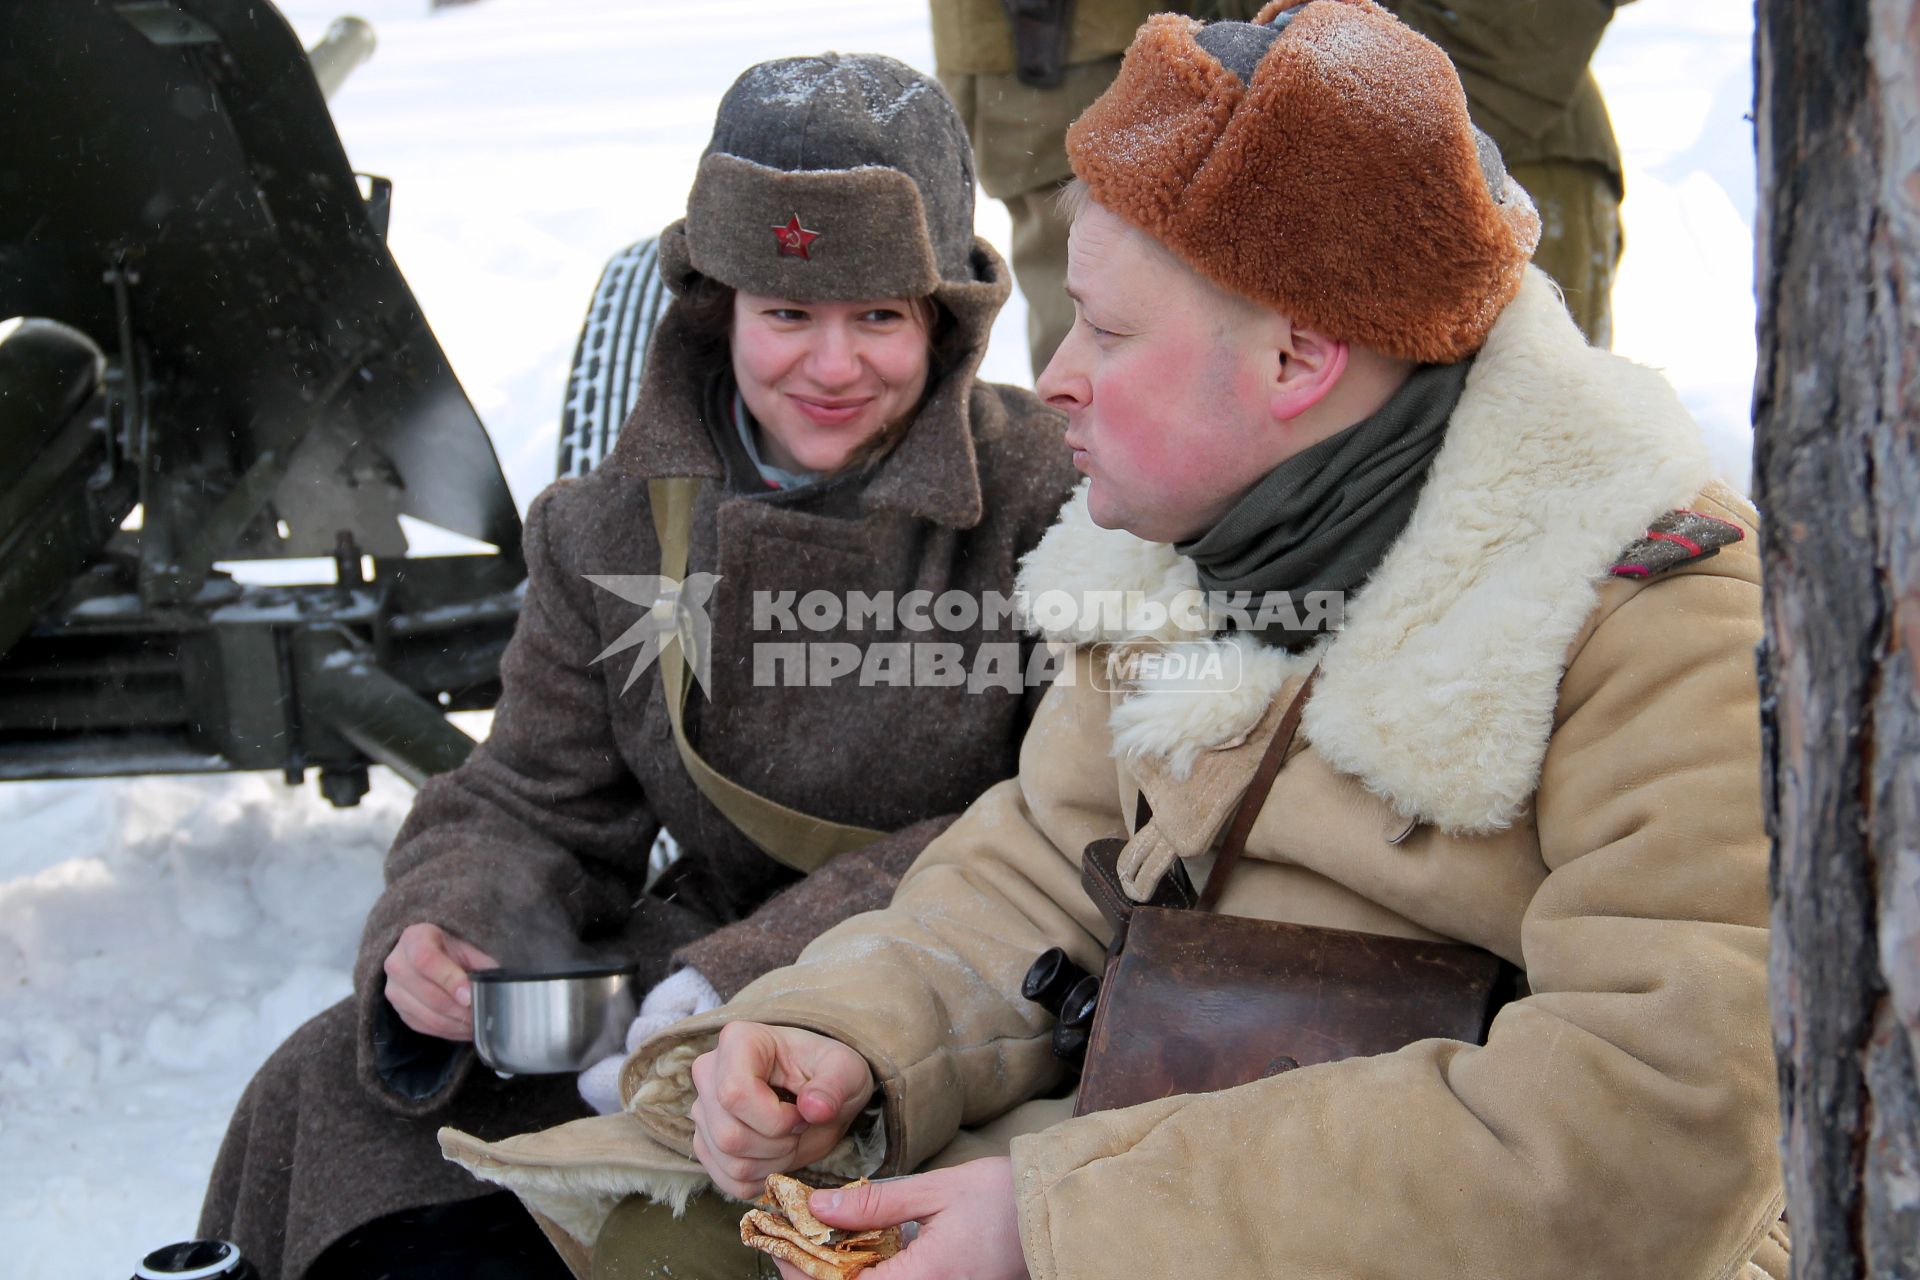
column 642, row 1240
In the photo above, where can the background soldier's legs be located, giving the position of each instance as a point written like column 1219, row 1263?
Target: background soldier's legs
column 1580, row 237
column 1020, row 151
column 1040, row 265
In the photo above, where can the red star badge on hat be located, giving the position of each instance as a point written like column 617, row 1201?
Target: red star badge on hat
column 794, row 239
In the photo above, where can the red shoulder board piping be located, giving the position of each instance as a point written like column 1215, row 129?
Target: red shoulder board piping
column 1674, row 539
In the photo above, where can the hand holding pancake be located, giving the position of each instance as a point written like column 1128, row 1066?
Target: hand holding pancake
column 784, row 1228
column 968, row 1224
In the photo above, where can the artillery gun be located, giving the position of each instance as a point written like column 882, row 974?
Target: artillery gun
column 207, row 355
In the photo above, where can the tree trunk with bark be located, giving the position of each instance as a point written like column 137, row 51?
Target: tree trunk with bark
column 1837, row 479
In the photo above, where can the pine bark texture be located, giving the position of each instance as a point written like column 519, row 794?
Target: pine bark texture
column 1837, row 478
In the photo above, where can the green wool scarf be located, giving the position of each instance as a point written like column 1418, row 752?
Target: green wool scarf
column 1322, row 520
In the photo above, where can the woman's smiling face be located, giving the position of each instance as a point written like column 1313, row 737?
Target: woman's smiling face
column 824, row 378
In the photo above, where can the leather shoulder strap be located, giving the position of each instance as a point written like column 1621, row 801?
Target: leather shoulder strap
column 799, row 840
column 1255, row 796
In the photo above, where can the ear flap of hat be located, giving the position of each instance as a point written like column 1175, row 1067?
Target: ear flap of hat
column 1138, row 146
column 675, row 258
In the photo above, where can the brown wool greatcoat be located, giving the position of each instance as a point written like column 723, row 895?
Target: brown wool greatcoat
column 536, row 849
column 1506, row 746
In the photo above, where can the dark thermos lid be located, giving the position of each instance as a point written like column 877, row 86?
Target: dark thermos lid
column 196, row 1260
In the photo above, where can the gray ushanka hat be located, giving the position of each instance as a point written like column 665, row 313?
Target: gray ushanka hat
column 831, row 177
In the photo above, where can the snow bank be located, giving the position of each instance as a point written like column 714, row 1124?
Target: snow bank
column 158, row 937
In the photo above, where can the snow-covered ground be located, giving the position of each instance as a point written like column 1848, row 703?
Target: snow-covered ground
column 159, row 936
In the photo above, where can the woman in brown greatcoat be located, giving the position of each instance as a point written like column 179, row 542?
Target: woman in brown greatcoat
column 816, row 373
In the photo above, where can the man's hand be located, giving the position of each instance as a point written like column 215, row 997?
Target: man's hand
column 968, row 1225
column 743, row 1130
column 427, row 981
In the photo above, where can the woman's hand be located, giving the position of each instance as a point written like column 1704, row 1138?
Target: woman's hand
column 968, row 1224
column 427, row 981
column 679, row 995
column 743, row 1130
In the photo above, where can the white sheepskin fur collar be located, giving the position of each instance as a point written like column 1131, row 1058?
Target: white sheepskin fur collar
column 1439, row 691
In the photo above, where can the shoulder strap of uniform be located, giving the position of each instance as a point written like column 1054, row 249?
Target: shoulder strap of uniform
column 799, row 840
column 1673, row 540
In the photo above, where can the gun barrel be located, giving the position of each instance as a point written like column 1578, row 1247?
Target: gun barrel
column 348, row 43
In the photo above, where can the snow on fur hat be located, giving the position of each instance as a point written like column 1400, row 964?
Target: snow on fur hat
column 1319, row 161
column 831, row 177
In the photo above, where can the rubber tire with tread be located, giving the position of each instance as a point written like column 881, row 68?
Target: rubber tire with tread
column 610, row 357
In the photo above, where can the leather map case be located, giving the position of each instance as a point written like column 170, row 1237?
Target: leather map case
column 1197, row 1001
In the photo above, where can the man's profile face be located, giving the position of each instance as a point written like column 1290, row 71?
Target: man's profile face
column 1164, row 387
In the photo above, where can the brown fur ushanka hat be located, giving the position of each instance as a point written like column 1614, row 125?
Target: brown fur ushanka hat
column 1320, row 162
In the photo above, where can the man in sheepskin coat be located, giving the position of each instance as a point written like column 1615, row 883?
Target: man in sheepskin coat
column 1309, row 356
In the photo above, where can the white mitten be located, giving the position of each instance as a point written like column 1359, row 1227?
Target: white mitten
column 679, row 995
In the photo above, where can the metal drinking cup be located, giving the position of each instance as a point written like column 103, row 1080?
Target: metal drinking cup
column 541, row 1022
